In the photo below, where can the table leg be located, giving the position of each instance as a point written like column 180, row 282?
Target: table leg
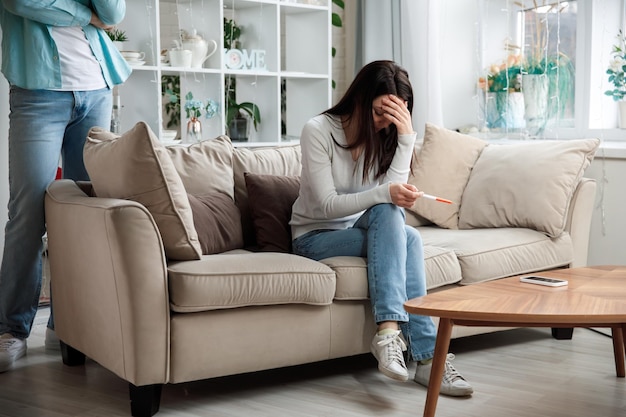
column 439, row 362
column 618, row 350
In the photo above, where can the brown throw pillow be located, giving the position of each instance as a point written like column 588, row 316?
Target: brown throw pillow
column 271, row 198
column 217, row 221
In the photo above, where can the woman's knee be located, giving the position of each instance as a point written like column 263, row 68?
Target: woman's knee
column 413, row 236
column 388, row 211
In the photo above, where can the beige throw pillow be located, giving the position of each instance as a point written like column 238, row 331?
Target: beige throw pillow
column 525, row 185
column 205, row 167
column 136, row 166
column 442, row 168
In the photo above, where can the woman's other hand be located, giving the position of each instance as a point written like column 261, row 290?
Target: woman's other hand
column 404, row 195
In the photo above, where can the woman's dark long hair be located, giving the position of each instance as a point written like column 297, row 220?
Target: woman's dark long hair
column 373, row 80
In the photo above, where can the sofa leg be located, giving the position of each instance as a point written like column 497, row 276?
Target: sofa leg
column 144, row 400
column 562, row 333
column 71, row 357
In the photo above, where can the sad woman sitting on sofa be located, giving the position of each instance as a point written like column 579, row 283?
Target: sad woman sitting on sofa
column 356, row 160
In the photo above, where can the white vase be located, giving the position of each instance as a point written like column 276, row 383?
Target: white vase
column 194, row 131
column 535, row 89
column 622, row 114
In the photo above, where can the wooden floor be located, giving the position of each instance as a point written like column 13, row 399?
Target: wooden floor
column 518, row 373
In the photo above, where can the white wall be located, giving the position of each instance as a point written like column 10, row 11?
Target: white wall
column 607, row 244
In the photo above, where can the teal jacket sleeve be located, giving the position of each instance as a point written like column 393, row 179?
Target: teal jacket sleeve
column 67, row 12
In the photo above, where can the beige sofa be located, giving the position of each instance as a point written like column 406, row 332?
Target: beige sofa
column 124, row 297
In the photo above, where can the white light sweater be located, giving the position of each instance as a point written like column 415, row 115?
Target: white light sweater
column 332, row 193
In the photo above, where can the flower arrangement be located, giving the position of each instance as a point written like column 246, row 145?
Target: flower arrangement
column 194, row 108
column 617, row 69
column 504, row 77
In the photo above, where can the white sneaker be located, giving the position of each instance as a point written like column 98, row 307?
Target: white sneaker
column 11, row 349
column 387, row 349
column 452, row 384
column 52, row 343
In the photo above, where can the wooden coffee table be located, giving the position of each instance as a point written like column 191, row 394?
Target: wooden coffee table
column 594, row 297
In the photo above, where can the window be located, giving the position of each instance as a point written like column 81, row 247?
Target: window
column 570, row 43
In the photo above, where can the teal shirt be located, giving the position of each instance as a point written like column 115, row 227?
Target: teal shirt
column 29, row 55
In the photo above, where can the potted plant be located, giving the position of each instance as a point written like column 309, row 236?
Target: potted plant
column 617, row 76
column 503, row 100
column 238, row 115
column 118, row 37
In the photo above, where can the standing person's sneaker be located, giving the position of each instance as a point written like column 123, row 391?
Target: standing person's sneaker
column 452, row 384
column 11, row 349
column 387, row 347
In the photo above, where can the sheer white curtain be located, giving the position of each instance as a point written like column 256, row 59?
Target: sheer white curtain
column 420, row 56
column 406, row 31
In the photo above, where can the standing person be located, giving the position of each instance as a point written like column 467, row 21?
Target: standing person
column 356, row 160
column 61, row 67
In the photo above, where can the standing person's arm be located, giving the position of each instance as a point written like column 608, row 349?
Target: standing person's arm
column 68, row 12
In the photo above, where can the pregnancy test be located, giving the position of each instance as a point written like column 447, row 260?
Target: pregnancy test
column 441, row 200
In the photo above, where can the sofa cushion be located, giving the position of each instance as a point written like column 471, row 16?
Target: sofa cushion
column 441, row 265
column 270, row 199
column 205, row 167
column 136, row 166
column 283, row 160
column 217, row 222
column 442, row 168
column 487, row 254
column 241, row 278
column 525, row 185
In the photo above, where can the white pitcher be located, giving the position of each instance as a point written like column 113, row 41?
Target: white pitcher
column 199, row 48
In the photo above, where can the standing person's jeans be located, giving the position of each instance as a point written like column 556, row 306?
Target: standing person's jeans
column 395, row 268
column 45, row 126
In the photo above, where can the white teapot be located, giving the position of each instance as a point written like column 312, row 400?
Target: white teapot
column 199, row 48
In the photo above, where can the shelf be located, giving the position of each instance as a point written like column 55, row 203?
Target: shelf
column 285, row 63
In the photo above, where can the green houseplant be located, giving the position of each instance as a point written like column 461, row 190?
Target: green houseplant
column 170, row 90
column 237, row 114
column 117, row 35
column 501, row 92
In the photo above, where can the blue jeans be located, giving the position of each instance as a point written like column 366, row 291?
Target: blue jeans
column 395, row 268
column 44, row 128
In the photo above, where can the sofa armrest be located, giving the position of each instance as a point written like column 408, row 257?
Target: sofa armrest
column 578, row 223
column 109, row 282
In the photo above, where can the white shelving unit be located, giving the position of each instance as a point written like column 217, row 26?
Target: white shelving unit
column 294, row 35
